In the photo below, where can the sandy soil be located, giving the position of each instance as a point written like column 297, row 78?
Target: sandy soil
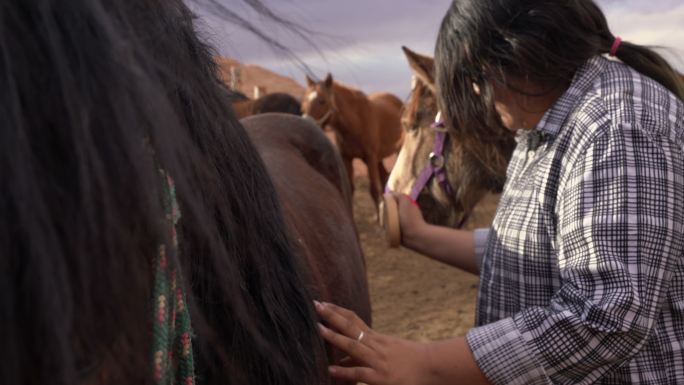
column 413, row 296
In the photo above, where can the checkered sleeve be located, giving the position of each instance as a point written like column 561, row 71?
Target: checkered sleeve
column 480, row 237
column 619, row 237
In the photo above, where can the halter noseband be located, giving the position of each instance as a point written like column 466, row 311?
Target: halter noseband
column 322, row 121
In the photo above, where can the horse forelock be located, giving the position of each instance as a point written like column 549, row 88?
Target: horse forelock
column 421, row 107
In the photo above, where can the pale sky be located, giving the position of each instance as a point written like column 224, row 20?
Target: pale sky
column 360, row 40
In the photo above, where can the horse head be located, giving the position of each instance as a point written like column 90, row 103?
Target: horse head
column 460, row 177
column 319, row 100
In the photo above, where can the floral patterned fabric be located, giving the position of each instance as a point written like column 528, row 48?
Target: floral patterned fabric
column 172, row 335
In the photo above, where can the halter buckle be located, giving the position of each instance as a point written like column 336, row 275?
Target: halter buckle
column 437, row 161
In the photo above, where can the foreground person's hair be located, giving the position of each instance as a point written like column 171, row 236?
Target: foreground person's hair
column 545, row 41
column 97, row 97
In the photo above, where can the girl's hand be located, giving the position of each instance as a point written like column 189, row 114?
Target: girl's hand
column 374, row 359
column 411, row 219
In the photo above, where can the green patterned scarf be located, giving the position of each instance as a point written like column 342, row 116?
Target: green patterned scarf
column 172, row 332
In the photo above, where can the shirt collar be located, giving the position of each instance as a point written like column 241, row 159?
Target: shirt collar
column 582, row 82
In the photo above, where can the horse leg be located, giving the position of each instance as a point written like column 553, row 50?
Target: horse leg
column 374, row 180
column 384, row 175
column 349, row 165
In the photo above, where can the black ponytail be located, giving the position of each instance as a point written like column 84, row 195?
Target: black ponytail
column 650, row 63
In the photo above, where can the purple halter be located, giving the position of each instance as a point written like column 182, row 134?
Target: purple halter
column 435, row 167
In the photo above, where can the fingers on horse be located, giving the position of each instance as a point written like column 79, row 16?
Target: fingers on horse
column 358, row 351
column 343, row 311
column 356, row 374
column 403, row 199
column 343, row 320
column 348, row 362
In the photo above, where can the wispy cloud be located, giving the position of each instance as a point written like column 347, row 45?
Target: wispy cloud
column 657, row 23
column 360, row 39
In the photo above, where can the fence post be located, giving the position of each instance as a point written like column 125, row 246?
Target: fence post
column 259, row 91
column 235, row 78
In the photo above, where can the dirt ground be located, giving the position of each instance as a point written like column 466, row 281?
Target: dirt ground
column 412, row 296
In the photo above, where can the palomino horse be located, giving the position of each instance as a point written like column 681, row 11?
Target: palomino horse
column 275, row 102
column 446, row 179
column 315, row 197
column 366, row 127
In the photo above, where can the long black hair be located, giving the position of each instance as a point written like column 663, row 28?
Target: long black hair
column 96, row 97
column 545, row 41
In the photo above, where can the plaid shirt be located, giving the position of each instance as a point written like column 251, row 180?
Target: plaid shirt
column 582, row 279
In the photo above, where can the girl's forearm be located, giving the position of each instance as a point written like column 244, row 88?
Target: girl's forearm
column 451, row 362
column 453, row 247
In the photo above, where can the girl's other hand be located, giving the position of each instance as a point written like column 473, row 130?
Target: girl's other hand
column 374, row 358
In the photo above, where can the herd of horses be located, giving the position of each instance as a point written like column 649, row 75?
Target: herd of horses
column 376, row 126
column 314, row 180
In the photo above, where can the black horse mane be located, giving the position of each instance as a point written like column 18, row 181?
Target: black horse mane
column 97, row 97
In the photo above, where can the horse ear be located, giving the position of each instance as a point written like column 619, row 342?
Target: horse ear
column 329, row 81
column 310, row 82
column 423, row 67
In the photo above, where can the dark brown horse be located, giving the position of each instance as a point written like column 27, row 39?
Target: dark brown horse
column 366, row 127
column 275, row 102
column 470, row 172
column 315, row 197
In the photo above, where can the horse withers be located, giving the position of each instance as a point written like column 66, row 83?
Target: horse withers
column 468, row 173
column 315, row 198
column 365, row 127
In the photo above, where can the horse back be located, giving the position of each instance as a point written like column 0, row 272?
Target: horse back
column 277, row 102
column 315, row 197
column 387, row 109
column 390, row 101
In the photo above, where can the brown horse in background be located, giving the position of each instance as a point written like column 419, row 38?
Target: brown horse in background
column 315, row 198
column 471, row 172
column 275, row 102
column 365, row 127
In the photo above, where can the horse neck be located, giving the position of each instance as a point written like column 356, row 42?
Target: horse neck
column 350, row 104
